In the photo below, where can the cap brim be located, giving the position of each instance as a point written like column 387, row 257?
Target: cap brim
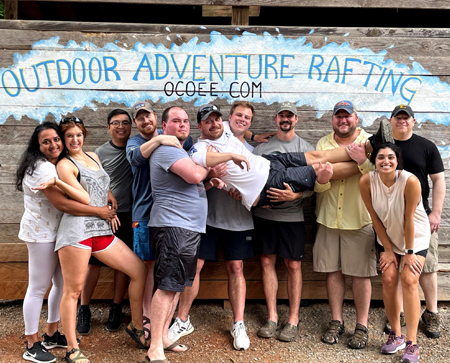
column 209, row 113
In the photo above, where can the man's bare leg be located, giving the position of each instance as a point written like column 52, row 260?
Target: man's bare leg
column 190, row 293
column 236, row 288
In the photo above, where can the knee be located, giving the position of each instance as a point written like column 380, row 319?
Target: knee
column 409, row 282
column 293, row 266
column 72, row 292
column 390, row 281
column 235, row 268
column 267, row 263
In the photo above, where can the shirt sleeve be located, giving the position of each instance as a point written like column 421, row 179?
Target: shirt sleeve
column 366, row 167
column 134, row 155
column 198, row 155
column 43, row 172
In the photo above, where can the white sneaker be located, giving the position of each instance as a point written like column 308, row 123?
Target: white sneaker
column 179, row 329
column 239, row 333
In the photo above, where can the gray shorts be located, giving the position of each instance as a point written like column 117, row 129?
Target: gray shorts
column 431, row 262
column 351, row 251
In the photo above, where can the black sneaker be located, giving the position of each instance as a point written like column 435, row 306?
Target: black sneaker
column 383, row 135
column 84, row 320
column 115, row 317
column 37, row 353
column 57, row 340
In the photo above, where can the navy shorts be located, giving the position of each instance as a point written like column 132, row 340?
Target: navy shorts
column 237, row 245
column 124, row 232
column 284, row 239
column 176, row 254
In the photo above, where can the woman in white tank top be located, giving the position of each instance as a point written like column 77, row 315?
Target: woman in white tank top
column 394, row 200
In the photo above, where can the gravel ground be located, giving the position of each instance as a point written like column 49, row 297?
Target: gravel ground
column 212, row 342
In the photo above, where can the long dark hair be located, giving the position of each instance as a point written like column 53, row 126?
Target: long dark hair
column 33, row 154
column 396, row 149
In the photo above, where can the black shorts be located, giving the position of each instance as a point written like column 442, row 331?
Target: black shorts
column 284, row 239
column 290, row 168
column 176, row 254
column 237, row 245
column 422, row 253
column 124, row 232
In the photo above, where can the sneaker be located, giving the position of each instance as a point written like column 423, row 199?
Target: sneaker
column 412, row 353
column 115, row 317
column 393, row 344
column 239, row 333
column 384, row 134
column 387, row 326
column 84, row 320
column 432, row 324
column 37, row 353
column 179, row 329
column 57, row 340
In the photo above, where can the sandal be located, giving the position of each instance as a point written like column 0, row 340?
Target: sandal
column 146, row 330
column 79, row 356
column 360, row 338
column 335, row 328
column 136, row 334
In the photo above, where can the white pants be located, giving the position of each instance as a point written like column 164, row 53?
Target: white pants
column 43, row 269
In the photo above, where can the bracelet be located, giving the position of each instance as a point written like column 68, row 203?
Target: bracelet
column 252, row 137
column 54, row 180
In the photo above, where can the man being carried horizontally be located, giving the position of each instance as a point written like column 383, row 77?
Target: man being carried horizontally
column 298, row 170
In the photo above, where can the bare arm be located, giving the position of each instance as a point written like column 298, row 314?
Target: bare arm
column 388, row 256
column 259, row 137
column 438, row 200
column 148, row 147
column 68, row 182
column 213, row 159
column 412, row 199
column 189, row 171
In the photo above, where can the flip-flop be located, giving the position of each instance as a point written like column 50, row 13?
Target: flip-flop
column 171, row 348
column 147, row 359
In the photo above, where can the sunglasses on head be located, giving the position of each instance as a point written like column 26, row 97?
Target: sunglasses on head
column 67, row 120
column 204, row 111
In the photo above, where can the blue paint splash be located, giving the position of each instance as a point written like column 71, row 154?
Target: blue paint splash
column 432, row 105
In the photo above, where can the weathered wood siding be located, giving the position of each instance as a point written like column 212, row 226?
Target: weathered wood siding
column 428, row 47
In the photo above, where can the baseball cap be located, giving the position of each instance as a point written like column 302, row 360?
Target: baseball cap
column 141, row 105
column 344, row 105
column 402, row 108
column 286, row 106
column 206, row 110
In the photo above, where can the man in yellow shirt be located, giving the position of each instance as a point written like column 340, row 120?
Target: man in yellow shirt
column 345, row 241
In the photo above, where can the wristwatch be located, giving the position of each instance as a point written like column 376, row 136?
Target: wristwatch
column 409, row 252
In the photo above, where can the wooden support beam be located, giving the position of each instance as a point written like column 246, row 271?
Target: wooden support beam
column 11, row 9
column 211, row 11
column 240, row 15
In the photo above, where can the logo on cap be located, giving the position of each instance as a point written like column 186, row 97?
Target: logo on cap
column 139, row 105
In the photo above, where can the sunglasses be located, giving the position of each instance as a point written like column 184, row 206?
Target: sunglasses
column 207, row 110
column 67, row 120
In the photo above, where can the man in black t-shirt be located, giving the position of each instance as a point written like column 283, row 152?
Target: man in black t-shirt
column 422, row 158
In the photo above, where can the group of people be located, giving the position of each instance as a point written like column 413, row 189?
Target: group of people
column 150, row 207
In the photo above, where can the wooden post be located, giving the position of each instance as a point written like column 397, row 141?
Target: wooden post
column 240, row 15
column 11, row 9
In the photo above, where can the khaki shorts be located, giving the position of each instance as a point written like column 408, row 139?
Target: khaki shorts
column 431, row 262
column 350, row 251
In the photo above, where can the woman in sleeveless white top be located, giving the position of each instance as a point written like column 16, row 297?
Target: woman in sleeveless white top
column 93, row 188
column 394, row 200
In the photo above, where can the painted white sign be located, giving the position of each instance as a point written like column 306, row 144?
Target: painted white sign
column 58, row 79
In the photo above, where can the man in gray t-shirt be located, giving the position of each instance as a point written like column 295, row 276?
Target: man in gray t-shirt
column 177, row 218
column 280, row 230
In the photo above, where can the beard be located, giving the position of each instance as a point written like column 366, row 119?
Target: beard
column 285, row 126
column 344, row 135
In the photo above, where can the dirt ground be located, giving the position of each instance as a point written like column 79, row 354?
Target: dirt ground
column 212, row 342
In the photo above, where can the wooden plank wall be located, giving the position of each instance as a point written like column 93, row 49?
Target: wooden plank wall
column 430, row 47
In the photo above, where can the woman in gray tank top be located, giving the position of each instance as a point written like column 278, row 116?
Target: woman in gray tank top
column 79, row 236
